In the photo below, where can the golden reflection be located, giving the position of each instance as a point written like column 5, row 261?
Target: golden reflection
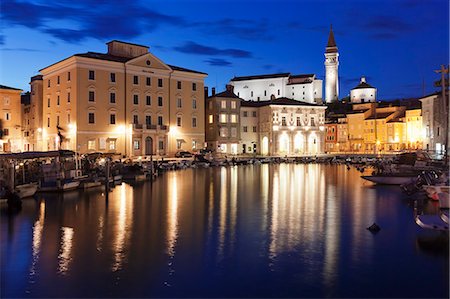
column 211, row 208
column 123, row 224
column 172, row 214
column 38, row 228
column 233, row 203
column 223, row 210
column 100, row 234
column 65, row 251
column 264, row 193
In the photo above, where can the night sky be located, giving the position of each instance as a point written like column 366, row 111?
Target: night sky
column 395, row 44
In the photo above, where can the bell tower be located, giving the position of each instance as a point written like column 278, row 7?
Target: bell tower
column 331, row 69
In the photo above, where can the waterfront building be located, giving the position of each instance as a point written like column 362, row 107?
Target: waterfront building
column 435, row 123
column 305, row 88
column 250, row 128
column 126, row 101
column 363, row 92
column 342, row 135
column 32, row 122
column 331, row 136
column 331, row 70
column 222, row 121
column 10, row 119
column 414, row 128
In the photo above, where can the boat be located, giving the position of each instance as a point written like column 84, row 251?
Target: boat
column 435, row 221
column 26, row 190
column 58, row 185
column 433, row 191
column 390, row 179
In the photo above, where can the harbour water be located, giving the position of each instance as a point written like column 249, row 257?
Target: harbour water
column 283, row 230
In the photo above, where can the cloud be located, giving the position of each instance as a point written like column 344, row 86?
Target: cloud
column 2, row 39
column 197, row 49
column 387, row 24
column 218, row 62
column 21, row 50
column 109, row 19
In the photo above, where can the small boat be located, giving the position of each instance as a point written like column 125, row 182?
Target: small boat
column 434, row 190
column 67, row 185
column 436, row 221
column 390, row 179
column 26, row 190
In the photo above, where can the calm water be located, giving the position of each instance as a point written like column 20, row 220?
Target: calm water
column 249, row 231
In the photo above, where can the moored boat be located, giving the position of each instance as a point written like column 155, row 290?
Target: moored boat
column 26, row 190
column 389, row 179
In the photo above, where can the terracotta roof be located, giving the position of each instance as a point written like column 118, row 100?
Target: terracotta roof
column 226, row 94
column 244, row 78
column 357, row 111
column 122, row 42
column 363, row 85
column 10, row 88
column 278, row 101
column 380, row 115
column 182, row 69
column 37, row 77
column 102, row 56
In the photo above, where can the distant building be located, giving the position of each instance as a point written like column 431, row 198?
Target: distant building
column 126, row 101
column 435, row 123
column 363, row 92
column 306, row 88
column 10, row 119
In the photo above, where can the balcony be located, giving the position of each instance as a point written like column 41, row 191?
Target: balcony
column 137, row 126
column 151, row 127
column 163, row 127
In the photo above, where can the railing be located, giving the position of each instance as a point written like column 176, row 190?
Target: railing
column 163, row 127
column 137, row 126
column 150, row 127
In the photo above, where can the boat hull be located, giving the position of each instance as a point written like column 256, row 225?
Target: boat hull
column 388, row 180
column 26, row 190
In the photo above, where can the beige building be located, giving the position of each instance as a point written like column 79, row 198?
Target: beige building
column 126, row 101
column 10, row 120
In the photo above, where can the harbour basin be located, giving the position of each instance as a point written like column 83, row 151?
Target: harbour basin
column 270, row 230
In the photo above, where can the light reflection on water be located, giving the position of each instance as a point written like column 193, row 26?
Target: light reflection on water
column 266, row 231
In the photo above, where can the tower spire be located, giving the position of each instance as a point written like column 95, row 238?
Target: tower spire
column 331, row 46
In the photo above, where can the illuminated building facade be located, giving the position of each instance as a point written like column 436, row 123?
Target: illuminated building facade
column 11, row 119
column 435, row 123
column 125, row 101
column 363, row 92
column 331, row 70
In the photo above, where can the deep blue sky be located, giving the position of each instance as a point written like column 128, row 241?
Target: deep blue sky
column 396, row 44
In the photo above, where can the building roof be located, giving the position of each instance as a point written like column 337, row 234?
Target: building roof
column 226, row 94
column 182, row 69
column 244, row 78
column 363, row 85
column 9, row 88
column 37, row 77
column 381, row 115
column 357, row 111
column 302, row 76
column 122, row 42
column 279, row 101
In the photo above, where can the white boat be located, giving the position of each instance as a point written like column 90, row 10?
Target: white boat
column 55, row 186
column 435, row 222
column 91, row 184
column 434, row 190
column 389, row 179
column 26, row 190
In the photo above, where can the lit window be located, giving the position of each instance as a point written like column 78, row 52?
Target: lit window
column 233, row 118
column 112, row 145
column 91, row 144
column 223, row 118
column 136, row 144
column 233, row 105
column 233, row 132
column 194, row 122
column 210, row 118
column 223, row 104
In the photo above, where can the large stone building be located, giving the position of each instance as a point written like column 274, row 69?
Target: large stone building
column 305, row 88
column 10, row 120
column 126, row 101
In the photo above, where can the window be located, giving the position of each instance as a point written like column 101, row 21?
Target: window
column 7, row 116
column 112, row 144
column 223, row 118
column 160, row 120
column 251, row 94
column 112, row 97
column 136, row 144
column 254, row 113
column 68, row 97
column 233, row 104
column 148, row 120
column 48, row 102
column 194, row 122
column 68, row 118
column 48, row 83
column 178, row 103
column 179, row 142
column 265, row 92
column 283, row 121
column 57, row 80
column 57, row 120
column 210, row 118
column 160, row 101
column 57, row 100
column 91, row 144
column 6, row 132
column 91, row 117
column 161, row 145
column 160, row 82
column 48, row 122
column 68, row 76
column 178, row 121
column 112, row 119
column 91, row 96
column 91, row 75
column 135, row 119
column 312, row 122
column 254, row 129
column 179, row 84
column 223, row 104
column 148, row 100
column 194, row 104
column 194, row 86
column 136, row 99
column 233, row 118
column 135, row 80
column 112, row 77
column 245, row 129
column 298, row 121
column 223, row 132
column 245, row 113
column 278, row 92
column 233, row 132
column 148, row 81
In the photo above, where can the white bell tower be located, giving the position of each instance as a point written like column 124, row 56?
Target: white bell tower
column 331, row 70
